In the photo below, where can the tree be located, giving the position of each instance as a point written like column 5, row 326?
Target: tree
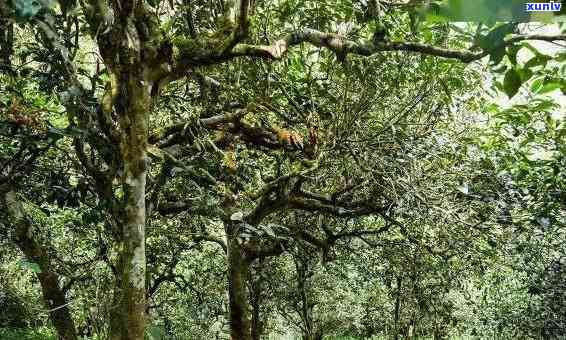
column 146, row 47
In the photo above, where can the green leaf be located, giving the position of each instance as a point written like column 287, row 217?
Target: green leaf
column 495, row 37
column 492, row 108
column 512, row 53
column 427, row 35
column 550, row 86
column 525, row 74
column 497, row 55
column 538, row 60
column 537, row 85
column 34, row 267
column 511, row 83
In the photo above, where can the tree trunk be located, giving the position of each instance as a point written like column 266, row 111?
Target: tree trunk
column 256, row 326
column 255, row 303
column 309, row 329
column 132, row 106
column 314, row 335
column 238, row 268
column 397, row 307
column 53, row 295
column 6, row 45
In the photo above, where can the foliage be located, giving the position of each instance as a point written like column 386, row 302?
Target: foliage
column 23, row 334
column 310, row 169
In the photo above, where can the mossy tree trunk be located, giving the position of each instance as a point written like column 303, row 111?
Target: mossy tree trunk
column 238, row 269
column 53, row 296
column 132, row 105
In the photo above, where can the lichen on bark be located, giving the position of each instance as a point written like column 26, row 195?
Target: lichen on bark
column 138, row 267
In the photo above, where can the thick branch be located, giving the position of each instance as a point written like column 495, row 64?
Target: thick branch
column 272, row 248
column 265, row 207
column 341, row 45
column 177, row 133
column 230, row 122
column 192, row 207
column 351, row 210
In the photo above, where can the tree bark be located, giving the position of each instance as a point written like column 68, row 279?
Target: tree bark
column 6, row 45
column 397, row 307
column 310, row 331
column 53, row 295
column 257, row 323
column 238, row 268
column 132, row 106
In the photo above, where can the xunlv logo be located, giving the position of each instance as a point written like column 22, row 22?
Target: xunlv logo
column 543, row 7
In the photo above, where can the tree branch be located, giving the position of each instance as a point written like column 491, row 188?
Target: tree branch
column 192, row 207
column 341, row 45
column 352, row 210
column 242, row 25
column 230, row 122
column 212, row 239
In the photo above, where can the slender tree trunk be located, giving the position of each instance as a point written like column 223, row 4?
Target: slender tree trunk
column 398, row 307
column 257, row 328
column 6, row 45
column 309, row 332
column 53, row 295
column 238, row 268
column 256, row 302
column 132, row 106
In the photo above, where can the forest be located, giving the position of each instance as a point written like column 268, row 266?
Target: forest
column 282, row 169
